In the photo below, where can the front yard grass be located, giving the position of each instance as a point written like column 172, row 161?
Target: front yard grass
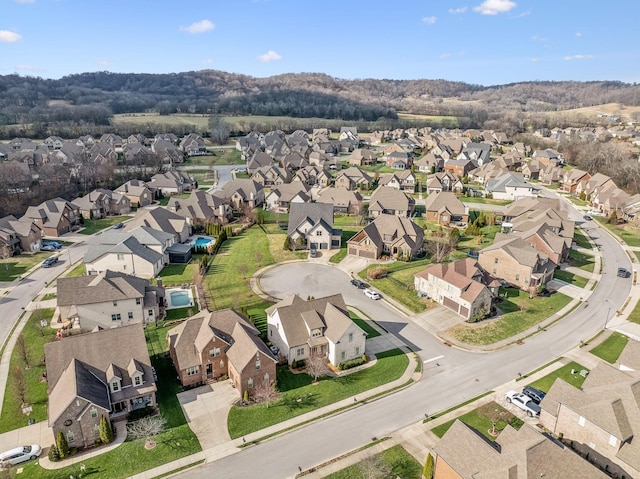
column 575, row 379
column 634, row 316
column 481, row 420
column 581, row 240
column 581, row 260
column 35, row 338
column 629, row 234
column 93, row 226
column 396, row 460
column 570, row 278
column 299, row 396
column 611, row 348
column 349, row 225
column 519, row 314
column 483, row 201
column 78, row 270
column 364, row 325
column 398, row 284
column 16, row 266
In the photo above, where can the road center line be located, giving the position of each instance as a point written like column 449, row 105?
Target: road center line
column 433, row 359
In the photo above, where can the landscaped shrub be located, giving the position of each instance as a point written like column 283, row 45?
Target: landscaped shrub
column 377, row 273
column 54, row 455
column 351, row 364
column 427, row 472
column 140, row 413
column 62, row 445
column 106, row 434
column 294, row 364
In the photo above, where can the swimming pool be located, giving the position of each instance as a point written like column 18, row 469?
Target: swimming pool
column 203, row 241
column 179, row 298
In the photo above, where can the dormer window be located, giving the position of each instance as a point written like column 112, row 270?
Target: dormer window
column 115, row 386
column 137, row 380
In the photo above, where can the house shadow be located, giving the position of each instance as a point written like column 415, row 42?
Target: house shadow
column 396, row 329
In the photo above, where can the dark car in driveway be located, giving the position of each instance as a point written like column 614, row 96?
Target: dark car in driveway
column 535, row 394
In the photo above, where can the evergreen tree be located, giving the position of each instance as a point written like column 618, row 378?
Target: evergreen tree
column 62, row 445
column 106, row 434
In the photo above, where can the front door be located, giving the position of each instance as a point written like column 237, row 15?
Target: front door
column 209, row 369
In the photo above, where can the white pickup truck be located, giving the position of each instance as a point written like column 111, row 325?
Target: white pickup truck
column 524, row 402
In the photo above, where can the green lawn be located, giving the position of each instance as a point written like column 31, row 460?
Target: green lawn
column 16, row 266
column 570, row 278
column 581, row 260
column 226, row 156
column 611, row 348
column 576, row 201
column 393, row 462
column 157, row 338
column 483, row 201
column 628, row 233
column 481, row 419
column 78, row 270
column 36, row 390
column 179, row 274
column 93, row 226
column 545, row 383
column 181, row 313
column 365, row 325
column 349, row 225
column 634, row 316
column 398, row 284
column 581, row 240
column 228, row 277
column 258, row 316
column 48, row 296
column 164, row 201
column 637, row 253
column 520, row 313
column 299, row 396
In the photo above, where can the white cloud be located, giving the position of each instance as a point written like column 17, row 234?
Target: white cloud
column 535, row 59
column 445, row 55
column 29, row 68
column 456, row 11
column 269, row 56
column 102, row 63
column 208, row 61
column 429, row 20
column 25, row 1
column 538, row 38
column 578, row 34
column 577, row 57
column 199, row 27
column 493, row 7
column 7, row 36
column 524, row 14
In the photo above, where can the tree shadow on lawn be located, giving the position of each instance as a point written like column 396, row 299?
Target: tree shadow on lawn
column 293, row 402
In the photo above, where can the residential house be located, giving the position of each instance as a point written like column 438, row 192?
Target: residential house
column 281, row 197
column 548, row 157
column 137, row 191
column 294, row 161
column 311, row 226
column 430, row 163
column 349, row 134
column 342, row 199
column 572, row 178
column 302, row 329
column 103, row 153
column 353, row 179
column 631, row 209
column 517, row 262
column 596, row 182
column 259, row 160
column 550, row 174
column 242, row 193
column 402, row 180
column 531, row 170
column 459, row 286
column 271, row 176
column 600, row 419
column 444, row 181
column 193, row 145
column 313, row 176
column 156, row 240
column 510, row 186
column 393, row 236
column 362, row 157
column 164, row 220
column 460, row 167
column 114, row 140
column 201, row 208
column 399, row 160
column 128, row 256
column 9, row 243
column 138, row 138
column 104, row 373
column 480, row 153
column 28, row 235
column 106, row 300
column 465, row 453
column 389, row 201
column 211, row 345
column 445, row 208
column 54, row 217
column 101, row 202
column 172, row 182
column 53, row 142
column 167, row 152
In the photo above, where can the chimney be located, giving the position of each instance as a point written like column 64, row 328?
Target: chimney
column 159, row 282
column 126, row 188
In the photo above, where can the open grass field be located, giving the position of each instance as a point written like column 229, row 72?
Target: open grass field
column 35, row 337
column 611, row 348
column 16, row 266
column 398, row 284
column 482, row 419
column 393, row 462
column 93, row 226
column 575, row 379
column 519, row 314
column 226, row 156
column 300, row 396
column 592, row 112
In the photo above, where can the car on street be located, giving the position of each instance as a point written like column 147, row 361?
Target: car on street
column 623, row 273
column 524, row 402
column 358, row 284
column 47, row 247
column 117, row 226
column 55, row 244
column 20, row 454
column 587, row 218
column 49, row 262
column 535, row 394
column 371, row 294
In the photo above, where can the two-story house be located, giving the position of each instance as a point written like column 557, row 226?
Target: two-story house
column 311, row 225
column 387, row 235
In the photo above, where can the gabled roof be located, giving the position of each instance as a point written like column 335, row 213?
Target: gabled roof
column 313, row 212
column 445, row 199
column 159, row 219
column 128, row 246
column 103, row 287
column 387, row 198
column 508, row 180
column 389, row 229
column 518, row 249
column 339, row 197
column 459, row 274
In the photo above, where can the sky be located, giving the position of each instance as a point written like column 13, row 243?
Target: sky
column 485, row 42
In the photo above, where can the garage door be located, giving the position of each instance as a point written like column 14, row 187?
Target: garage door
column 464, row 311
column 451, row 304
column 353, row 251
column 367, row 254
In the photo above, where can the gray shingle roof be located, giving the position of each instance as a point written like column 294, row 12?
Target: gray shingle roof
column 315, row 212
column 106, row 286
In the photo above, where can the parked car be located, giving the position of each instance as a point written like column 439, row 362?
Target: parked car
column 117, row 226
column 313, row 253
column 49, row 262
column 47, row 247
column 358, row 284
column 623, row 273
column 535, row 394
column 587, row 218
column 369, row 293
column 20, row 454
column 55, row 244
column 524, row 402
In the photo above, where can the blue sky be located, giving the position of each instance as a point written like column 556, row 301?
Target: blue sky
column 483, row 42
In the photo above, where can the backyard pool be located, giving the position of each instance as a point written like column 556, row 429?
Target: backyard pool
column 202, row 241
column 179, row 298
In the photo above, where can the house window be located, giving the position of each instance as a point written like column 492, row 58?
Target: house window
column 115, row 386
column 120, row 256
column 494, row 271
column 266, row 377
column 300, row 352
column 250, row 383
column 214, row 353
column 257, row 363
column 613, row 441
column 70, row 436
column 94, row 412
column 350, row 337
column 115, row 303
column 221, row 363
column 357, row 350
column 115, row 317
column 151, row 312
column 581, row 421
column 138, row 301
column 137, row 381
column 144, row 195
column 96, row 429
column 318, row 233
column 130, row 315
column 343, row 355
column 495, row 260
column 517, row 277
column 193, row 370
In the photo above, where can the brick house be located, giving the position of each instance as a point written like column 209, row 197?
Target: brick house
column 390, row 201
column 445, row 208
column 387, row 235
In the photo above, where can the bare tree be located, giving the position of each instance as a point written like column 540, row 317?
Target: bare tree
column 23, row 353
column 316, row 366
column 146, row 428
column 20, row 384
column 265, row 392
column 373, row 467
column 258, row 257
column 243, row 269
column 439, row 245
column 218, row 129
